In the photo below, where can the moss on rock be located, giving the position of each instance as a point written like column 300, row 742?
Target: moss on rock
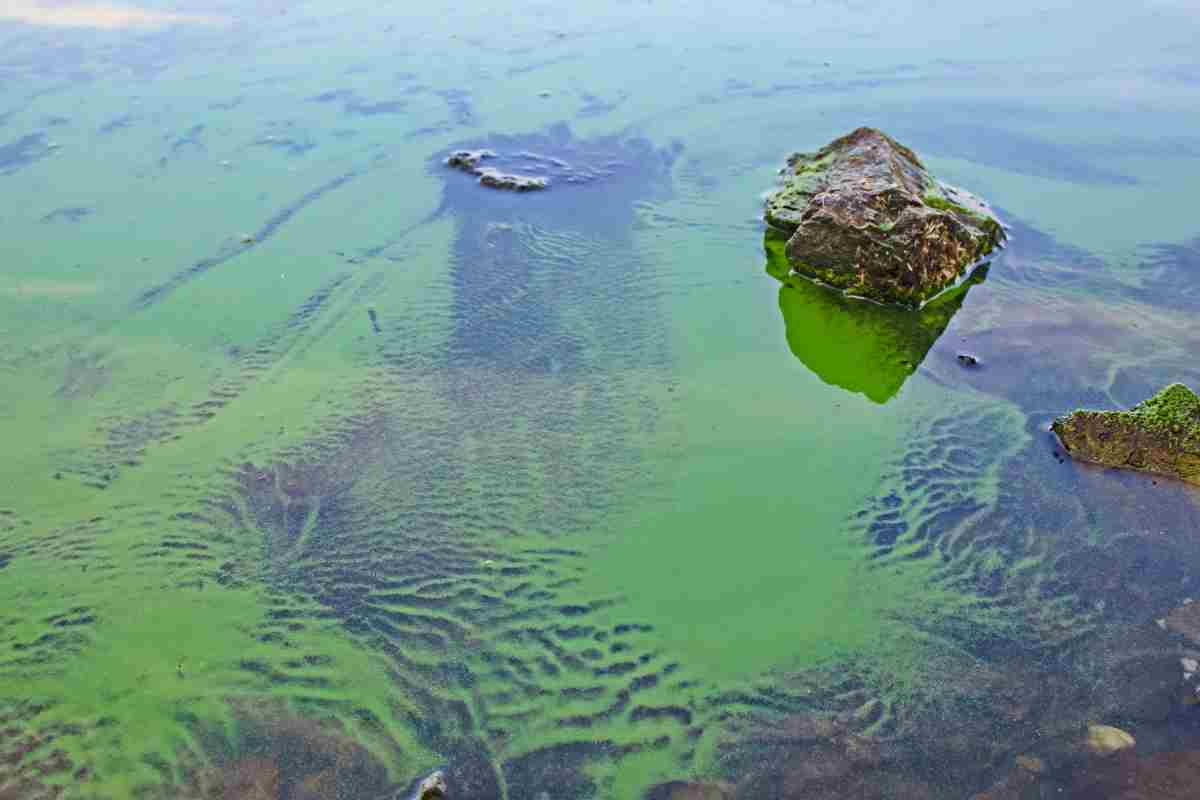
column 1160, row 435
column 865, row 216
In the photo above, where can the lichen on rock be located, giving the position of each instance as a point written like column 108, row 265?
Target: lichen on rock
column 864, row 215
column 1160, row 435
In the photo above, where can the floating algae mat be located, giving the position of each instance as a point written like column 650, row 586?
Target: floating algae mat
column 326, row 466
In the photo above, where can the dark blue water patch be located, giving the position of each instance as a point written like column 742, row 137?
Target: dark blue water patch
column 512, row 282
column 1173, row 276
column 188, row 140
column 355, row 106
column 462, row 110
column 1065, row 359
column 290, row 146
column 1011, row 151
column 540, row 64
column 116, row 124
column 367, row 109
column 22, row 152
column 73, row 214
column 596, row 106
column 1187, row 75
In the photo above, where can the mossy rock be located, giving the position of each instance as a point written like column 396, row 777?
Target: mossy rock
column 1160, row 435
column 864, row 215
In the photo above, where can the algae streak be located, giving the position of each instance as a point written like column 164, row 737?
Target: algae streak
column 1160, row 435
column 865, row 216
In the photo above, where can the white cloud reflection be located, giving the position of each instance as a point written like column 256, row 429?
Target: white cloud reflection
column 108, row 16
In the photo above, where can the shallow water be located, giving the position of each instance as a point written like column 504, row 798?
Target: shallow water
column 326, row 467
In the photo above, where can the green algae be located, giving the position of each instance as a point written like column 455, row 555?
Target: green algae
column 858, row 345
column 529, row 663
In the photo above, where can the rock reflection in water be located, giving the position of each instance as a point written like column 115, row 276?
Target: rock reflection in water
column 858, row 345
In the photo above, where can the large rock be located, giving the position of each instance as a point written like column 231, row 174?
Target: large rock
column 864, row 215
column 1160, row 435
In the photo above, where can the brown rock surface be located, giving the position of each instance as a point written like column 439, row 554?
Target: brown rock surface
column 864, row 215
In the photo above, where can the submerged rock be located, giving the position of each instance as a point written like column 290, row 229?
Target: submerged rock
column 1160, row 435
column 1185, row 621
column 1105, row 740
column 864, row 215
column 432, row 788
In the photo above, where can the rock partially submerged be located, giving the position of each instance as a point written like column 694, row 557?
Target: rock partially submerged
column 471, row 161
column 864, row 215
column 432, row 787
column 1160, row 435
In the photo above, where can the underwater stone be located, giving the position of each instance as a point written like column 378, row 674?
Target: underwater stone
column 1160, row 435
column 432, row 787
column 1185, row 621
column 864, row 215
column 1105, row 740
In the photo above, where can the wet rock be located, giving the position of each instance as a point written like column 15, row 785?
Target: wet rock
column 514, row 183
column 1185, row 621
column 432, row 788
column 468, row 160
column 471, row 161
column 1105, row 740
column 864, row 215
column 968, row 360
column 1160, row 435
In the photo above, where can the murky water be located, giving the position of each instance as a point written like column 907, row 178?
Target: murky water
column 326, row 467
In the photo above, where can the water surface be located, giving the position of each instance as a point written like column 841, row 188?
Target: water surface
column 326, row 467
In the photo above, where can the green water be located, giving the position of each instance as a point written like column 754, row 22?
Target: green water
column 562, row 492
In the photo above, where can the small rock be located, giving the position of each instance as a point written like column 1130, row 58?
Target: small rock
column 511, row 182
column 468, row 160
column 1105, row 740
column 1190, row 665
column 1031, row 764
column 967, row 360
column 1185, row 621
column 247, row 239
column 432, row 787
